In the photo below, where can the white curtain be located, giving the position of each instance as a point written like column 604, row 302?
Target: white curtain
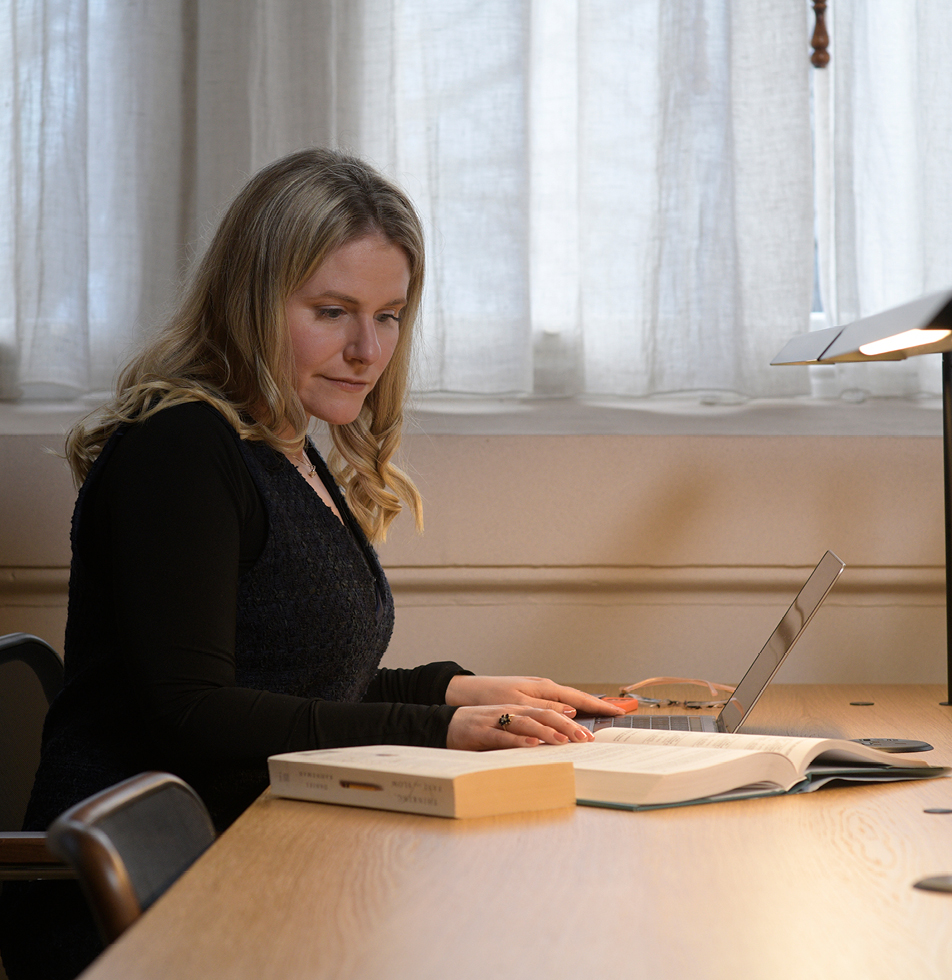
column 618, row 193
column 91, row 173
column 884, row 156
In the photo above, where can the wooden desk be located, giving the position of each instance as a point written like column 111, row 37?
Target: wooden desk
column 814, row 886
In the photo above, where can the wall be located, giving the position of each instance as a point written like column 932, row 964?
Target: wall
column 36, row 500
column 610, row 557
column 620, row 557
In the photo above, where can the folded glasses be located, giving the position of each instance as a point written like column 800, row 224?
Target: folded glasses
column 712, row 702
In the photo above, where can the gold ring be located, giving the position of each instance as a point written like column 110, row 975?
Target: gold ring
column 504, row 720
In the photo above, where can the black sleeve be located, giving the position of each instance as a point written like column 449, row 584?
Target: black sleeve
column 418, row 685
column 179, row 518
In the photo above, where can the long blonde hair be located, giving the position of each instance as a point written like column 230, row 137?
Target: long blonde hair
column 228, row 343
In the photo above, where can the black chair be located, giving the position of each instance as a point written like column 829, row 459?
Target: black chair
column 129, row 843
column 31, row 674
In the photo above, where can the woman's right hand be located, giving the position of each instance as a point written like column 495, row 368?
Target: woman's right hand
column 477, row 727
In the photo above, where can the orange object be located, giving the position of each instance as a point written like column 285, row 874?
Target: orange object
column 629, row 704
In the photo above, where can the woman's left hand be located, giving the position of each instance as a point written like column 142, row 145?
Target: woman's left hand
column 536, row 692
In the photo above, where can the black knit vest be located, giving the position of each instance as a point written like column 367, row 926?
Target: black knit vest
column 315, row 612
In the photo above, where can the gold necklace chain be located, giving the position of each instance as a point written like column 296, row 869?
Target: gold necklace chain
column 304, row 464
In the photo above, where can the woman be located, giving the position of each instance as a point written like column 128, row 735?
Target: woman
column 225, row 602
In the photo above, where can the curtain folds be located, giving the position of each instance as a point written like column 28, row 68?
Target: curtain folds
column 618, row 196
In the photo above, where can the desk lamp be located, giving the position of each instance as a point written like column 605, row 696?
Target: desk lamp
column 923, row 326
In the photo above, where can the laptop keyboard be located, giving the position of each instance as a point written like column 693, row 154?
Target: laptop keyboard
column 671, row 723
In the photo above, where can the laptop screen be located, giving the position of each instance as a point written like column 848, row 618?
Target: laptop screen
column 788, row 631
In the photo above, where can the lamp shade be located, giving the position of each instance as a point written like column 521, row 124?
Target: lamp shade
column 923, row 326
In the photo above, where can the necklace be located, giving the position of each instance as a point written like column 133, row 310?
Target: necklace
column 304, row 464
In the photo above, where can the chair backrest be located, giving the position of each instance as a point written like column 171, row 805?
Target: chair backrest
column 31, row 674
column 129, row 843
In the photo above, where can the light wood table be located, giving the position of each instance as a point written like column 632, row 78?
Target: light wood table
column 809, row 886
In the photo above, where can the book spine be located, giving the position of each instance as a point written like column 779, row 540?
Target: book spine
column 354, row 787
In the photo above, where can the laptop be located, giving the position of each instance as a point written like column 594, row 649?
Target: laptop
column 760, row 673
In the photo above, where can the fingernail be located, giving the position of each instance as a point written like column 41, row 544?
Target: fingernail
column 569, row 711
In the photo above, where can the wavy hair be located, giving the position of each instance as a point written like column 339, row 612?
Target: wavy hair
column 228, row 342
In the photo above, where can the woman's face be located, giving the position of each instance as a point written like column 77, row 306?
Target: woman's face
column 344, row 324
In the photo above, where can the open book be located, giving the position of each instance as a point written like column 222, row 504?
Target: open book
column 641, row 768
column 416, row 779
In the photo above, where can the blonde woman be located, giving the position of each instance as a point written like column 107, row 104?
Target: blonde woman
column 225, row 600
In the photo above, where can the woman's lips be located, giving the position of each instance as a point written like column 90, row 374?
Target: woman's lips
column 348, row 384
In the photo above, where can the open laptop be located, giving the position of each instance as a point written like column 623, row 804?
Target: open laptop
column 760, row 673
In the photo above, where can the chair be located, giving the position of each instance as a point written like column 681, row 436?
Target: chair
column 129, row 843
column 31, row 674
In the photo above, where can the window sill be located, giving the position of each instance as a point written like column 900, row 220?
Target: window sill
column 681, row 415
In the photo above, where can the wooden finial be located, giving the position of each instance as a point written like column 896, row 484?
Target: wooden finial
column 821, row 39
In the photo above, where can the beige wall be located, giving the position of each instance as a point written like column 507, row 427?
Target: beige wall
column 598, row 557
column 36, row 500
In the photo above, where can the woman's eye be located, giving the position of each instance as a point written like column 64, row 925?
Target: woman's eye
column 330, row 312
column 383, row 317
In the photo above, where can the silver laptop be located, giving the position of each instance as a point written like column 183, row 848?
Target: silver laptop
column 760, row 673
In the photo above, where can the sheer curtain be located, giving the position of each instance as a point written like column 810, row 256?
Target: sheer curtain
column 91, row 172
column 618, row 195
column 884, row 152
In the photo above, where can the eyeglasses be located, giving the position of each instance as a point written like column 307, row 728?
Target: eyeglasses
column 713, row 688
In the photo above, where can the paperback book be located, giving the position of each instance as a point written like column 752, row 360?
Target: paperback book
column 417, row 779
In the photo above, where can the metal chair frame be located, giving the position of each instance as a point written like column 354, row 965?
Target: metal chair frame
column 78, row 837
column 24, row 854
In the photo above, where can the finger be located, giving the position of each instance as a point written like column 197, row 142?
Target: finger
column 574, row 701
column 548, row 726
column 588, row 702
column 497, row 738
column 507, row 734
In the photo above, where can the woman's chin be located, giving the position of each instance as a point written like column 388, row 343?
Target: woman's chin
column 337, row 415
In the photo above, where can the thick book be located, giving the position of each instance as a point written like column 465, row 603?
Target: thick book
column 635, row 768
column 415, row 779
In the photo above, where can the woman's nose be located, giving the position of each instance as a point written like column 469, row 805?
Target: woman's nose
column 364, row 345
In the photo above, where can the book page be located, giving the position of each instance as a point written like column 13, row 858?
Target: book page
column 660, row 758
column 646, row 774
column 801, row 751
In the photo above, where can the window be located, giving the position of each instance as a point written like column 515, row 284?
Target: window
column 618, row 195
